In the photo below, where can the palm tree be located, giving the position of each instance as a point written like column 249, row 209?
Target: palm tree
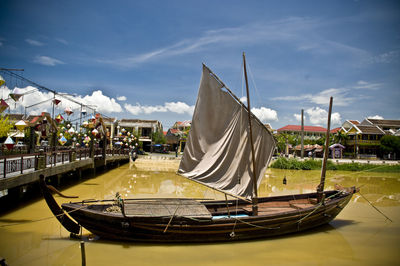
column 341, row 137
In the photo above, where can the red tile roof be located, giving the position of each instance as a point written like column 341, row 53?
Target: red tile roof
column 298, row 128
column 335, row 130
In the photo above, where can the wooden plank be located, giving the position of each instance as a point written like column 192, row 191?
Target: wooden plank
column 166, row 207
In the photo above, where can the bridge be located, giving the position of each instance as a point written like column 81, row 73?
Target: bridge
column 24, row 169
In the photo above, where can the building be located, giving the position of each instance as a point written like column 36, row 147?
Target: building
column 310, row 132
column 144, row 128
column 364, row 138
column 176, row 136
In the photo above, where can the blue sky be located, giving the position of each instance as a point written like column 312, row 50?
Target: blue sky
column 142, row 59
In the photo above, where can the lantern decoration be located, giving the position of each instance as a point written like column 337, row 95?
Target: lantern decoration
column 62, row 140
column 56, row 101
column 129, row 133
column 2, row 81
column 95, row 132
column 3, row 105
column 123, row 130
column 71, row 130
column 9, row 143
column 85, row 123
column 87, row 139
column 83, row 112
column 59, row 118
column 92, row 118
column 20, row 125
column 68, row 111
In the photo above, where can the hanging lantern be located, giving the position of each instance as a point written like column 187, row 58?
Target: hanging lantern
column 15, row 96
column 68, row 111
column 87, row 139
column 3, row 105
column 62, row 140
column 71, row 130
column 59, row 118
column 129, row 133
column 84, row 112
column 56, row 101
column 68, row 125
column 9, row 143
column 20, row 125
column 95, row 132
column 85, row 123
column 2, row 81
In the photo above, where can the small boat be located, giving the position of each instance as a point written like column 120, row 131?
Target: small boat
column 228, row 149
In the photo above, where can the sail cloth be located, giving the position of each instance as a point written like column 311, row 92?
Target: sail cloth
column 218, row 152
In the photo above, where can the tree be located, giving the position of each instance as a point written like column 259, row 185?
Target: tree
column 341, row 137
column 5, row 126
column 390, row 144
column 158, row 138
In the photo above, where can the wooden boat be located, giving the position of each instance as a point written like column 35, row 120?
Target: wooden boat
column 228, row 149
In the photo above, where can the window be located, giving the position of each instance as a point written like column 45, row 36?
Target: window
column 146, row 132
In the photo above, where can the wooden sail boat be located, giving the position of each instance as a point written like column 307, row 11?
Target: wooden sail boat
column 228, row 149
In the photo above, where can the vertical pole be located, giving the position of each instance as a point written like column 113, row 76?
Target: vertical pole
column 302, row 133
column 321, row 185
column 83, row 254
column 255, row 193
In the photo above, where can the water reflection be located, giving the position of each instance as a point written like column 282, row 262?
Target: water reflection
column 359, row 235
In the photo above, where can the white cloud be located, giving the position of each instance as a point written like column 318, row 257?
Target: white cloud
column 297, row 117
column 47, row 61
column 341, row 96
column 243, row 99
column 179, row 107
column 367, row 85
column 318, row 116
column 298, row 32
column 386, row 58
column 34, row 42
column 101, row 103
column 376, row 117
column 121, row 98
column 265, row 114
column 174, row 107
column 62, row 41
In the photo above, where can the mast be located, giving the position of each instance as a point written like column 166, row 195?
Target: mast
column 255, row 195
column 320, row 188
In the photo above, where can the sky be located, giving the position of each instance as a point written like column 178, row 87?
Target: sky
column 143, row 59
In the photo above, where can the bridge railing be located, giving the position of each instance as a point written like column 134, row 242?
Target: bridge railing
column 12, row 165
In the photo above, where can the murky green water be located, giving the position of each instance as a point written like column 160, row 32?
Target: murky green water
column 358, row 236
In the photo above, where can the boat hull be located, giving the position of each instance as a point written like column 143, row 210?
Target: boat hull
column 182, row 229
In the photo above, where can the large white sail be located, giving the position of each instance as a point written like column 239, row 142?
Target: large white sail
column 217, row 151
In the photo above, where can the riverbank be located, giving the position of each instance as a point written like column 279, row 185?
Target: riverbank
column 337, row 164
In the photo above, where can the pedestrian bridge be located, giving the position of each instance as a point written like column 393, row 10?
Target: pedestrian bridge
column 23, row 169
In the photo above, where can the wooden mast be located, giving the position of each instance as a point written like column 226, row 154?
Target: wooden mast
column 255, row 193
column 320, row 188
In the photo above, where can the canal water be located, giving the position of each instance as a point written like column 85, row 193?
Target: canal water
column 358, row 236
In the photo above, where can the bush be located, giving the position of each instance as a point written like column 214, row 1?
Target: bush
column 294, row 164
